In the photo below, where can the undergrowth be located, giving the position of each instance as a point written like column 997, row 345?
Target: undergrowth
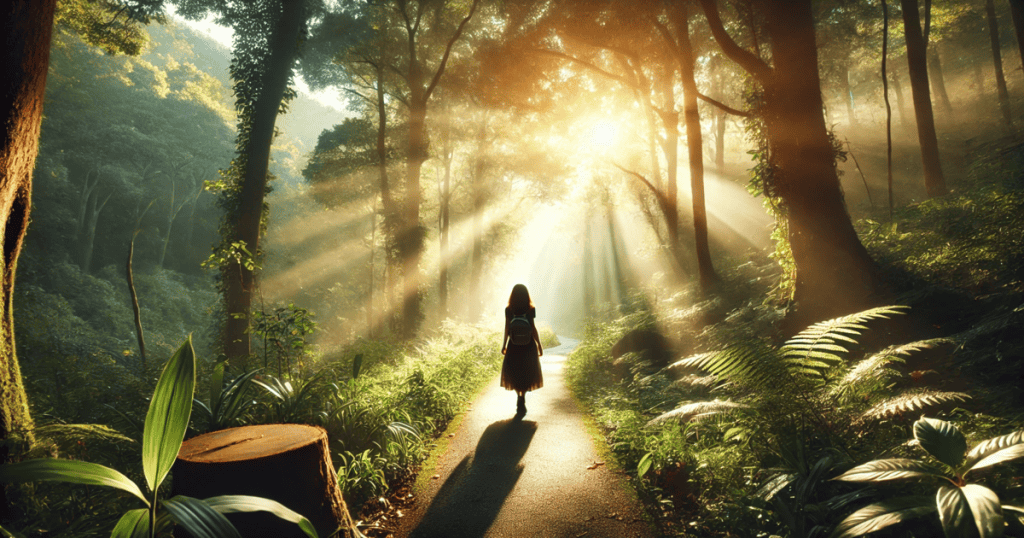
column 737, row 439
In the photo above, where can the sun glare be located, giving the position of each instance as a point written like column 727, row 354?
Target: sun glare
column 603, row 135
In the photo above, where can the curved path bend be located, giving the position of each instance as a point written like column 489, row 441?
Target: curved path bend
column 527, row 477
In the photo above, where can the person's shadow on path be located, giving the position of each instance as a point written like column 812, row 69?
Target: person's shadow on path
column 470, row 499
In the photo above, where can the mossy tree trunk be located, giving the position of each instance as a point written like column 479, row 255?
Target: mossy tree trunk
column 240, row 279
column 834, row 273
column 28, row 25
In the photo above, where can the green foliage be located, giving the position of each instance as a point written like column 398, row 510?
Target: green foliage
column 291, row 400
column 361, row 477
column 231, row 403
column 166, row 423
column 284, row 329
column 964, row 509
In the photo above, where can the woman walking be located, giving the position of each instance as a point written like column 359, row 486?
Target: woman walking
column 520, row 370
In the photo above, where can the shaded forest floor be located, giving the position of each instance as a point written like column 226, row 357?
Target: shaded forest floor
column 957, row 262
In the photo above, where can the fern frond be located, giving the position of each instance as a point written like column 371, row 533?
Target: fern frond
column 751, row 365
column 821, row 341
column 698, row 411
column 912, row 401
column 696, row 381
column 682, row 367
column 875, row 369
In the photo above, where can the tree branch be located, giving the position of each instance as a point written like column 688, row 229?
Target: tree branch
column 590, row 66
column 747, row 60
column 448, row 50
column 724, row 107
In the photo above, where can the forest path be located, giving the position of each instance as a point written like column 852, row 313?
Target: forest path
column 503, row 476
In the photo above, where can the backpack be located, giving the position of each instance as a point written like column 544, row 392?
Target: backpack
column 520, row 330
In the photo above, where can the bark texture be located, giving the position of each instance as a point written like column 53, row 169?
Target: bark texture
column 28, row 25
column 834, row 273
column 240, row 281
column 997, row 61
column 934, row 180
column 289, row 463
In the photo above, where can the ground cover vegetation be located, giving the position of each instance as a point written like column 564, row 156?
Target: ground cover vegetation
column 755, row 428
column 356, row 255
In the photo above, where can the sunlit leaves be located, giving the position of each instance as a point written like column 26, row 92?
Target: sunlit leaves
column 942, row 440
column 133, row 524
column 976, row 506
column 227, row 504
column 167, row 418
column 200, row 519
column 890, row 469
column 878, row 516
column 995, row 450
column 912, row 401
column 75, row 472
column 698, row 411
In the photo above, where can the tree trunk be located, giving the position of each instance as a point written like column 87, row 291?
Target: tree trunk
column 88, row 238
column 934, row 181
column 239, row 281
column 848, row 98
column 388, row 209
column 479, row 203
column 27, row 27
column 288, row 463
column 445, row 214
column 719, row 141
column 898, row 88
column 835, row 275
column 130, row 277
column 695, row 144
column 938, row 79
column 997, row 62
column 1017, row 12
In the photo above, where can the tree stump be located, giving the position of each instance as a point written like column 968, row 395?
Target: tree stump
column 289, row 463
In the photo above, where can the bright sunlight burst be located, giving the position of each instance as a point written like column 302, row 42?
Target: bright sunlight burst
column 603, row 135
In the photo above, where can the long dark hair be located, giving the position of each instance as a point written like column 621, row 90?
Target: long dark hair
column 519, row 300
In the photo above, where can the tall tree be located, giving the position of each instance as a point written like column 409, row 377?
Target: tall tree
column 28, row 25
column 267, row 38
column 421, row 84
column 682, row 47
column 1017, row 12
column 997, row 61
column 834, row 273
column 934, row 180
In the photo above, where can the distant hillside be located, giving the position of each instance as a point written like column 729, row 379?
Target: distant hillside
column 306, row 117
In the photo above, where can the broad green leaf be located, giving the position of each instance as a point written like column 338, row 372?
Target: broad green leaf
column 881, row 515
column 168, row 415
column 995, row 450
column 1006, row 454
column 645, row 465
column 942, row 440
column 199, row 519
column 133, row 524
column 954, row 511
column 984, row 503
column 227, row 504
column 888, row 469
column 72, row 471
column 357, row 365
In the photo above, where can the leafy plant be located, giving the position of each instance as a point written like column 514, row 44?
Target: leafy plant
column 291, row 402
column 230, row 403
column 285, row 329
column 964, row 509
column 361, row 476
column 164, row 431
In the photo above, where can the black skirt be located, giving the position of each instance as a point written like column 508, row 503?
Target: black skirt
column 520, row 370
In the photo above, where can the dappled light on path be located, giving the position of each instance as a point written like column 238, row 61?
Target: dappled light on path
column 505, row 476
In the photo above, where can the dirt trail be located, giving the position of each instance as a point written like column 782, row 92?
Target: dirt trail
column 503, row 476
